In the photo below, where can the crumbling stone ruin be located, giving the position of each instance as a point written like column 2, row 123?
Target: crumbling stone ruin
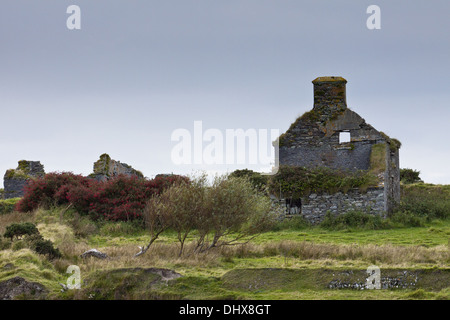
column 333, row 136
column 106, row 168
column 15, row 180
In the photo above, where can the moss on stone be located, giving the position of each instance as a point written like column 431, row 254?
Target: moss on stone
column 378, row 158
column 318, row 93
column 16, row 174
column 329, row 79
column 310, row 116
column 24, row 166
column 394, row 144
column 102, row 165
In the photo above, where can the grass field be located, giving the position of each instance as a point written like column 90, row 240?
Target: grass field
column 286, row 264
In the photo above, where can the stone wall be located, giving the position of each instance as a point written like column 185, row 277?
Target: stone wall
column 315, row 206
column 106, row 168
column 14, row 188
column 392, row 179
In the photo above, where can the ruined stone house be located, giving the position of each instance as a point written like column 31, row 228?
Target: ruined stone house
column 331, row 135
column 106, row 168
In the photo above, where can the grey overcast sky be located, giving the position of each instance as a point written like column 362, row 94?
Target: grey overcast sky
column 137, row 70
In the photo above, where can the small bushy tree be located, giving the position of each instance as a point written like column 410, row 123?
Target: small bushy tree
column 31, row 238
column 229, row 211
column 45, row 247
column 409, row 176
column 236, row 211
column 258, row 180
column 187, row 202
column 18, row 230
column 157, row 217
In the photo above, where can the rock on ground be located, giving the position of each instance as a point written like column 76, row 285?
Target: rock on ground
column 18, row 286
column 94, row 253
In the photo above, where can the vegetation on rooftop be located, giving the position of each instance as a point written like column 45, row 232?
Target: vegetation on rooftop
column 394, row 144
column 16, row 174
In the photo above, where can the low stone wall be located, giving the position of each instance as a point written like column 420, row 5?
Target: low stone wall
column 315, row 206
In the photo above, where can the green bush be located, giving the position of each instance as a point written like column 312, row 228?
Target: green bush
column 258, row 180
column 42, row 246
column 18, row 230
column 45, row 247
column 354, row 219
column 426, row 200
column 31, row 239
column 4, row 243
column 8, row 205
column 19, row 245
column 406, row 219
column 409, row 176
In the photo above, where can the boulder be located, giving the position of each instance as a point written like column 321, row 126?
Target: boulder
column 94, row 253
column 18, row 286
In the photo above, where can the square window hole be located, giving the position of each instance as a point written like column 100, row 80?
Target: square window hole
column 344, row 137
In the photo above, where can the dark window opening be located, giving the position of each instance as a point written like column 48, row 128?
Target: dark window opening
column 294, row 206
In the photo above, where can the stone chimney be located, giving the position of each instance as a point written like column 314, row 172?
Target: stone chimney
column 329, row 94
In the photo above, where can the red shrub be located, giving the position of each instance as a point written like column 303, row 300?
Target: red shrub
column 120, row 198
column 50, row 190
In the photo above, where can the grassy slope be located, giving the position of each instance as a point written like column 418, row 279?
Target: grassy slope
column 435, row 233
column 302, row 256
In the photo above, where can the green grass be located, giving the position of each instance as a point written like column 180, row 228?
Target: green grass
column 295, row 262
column 32, row 267
column 8, row 205
column 433, row 234
column 128, row 283
column 283, row 283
